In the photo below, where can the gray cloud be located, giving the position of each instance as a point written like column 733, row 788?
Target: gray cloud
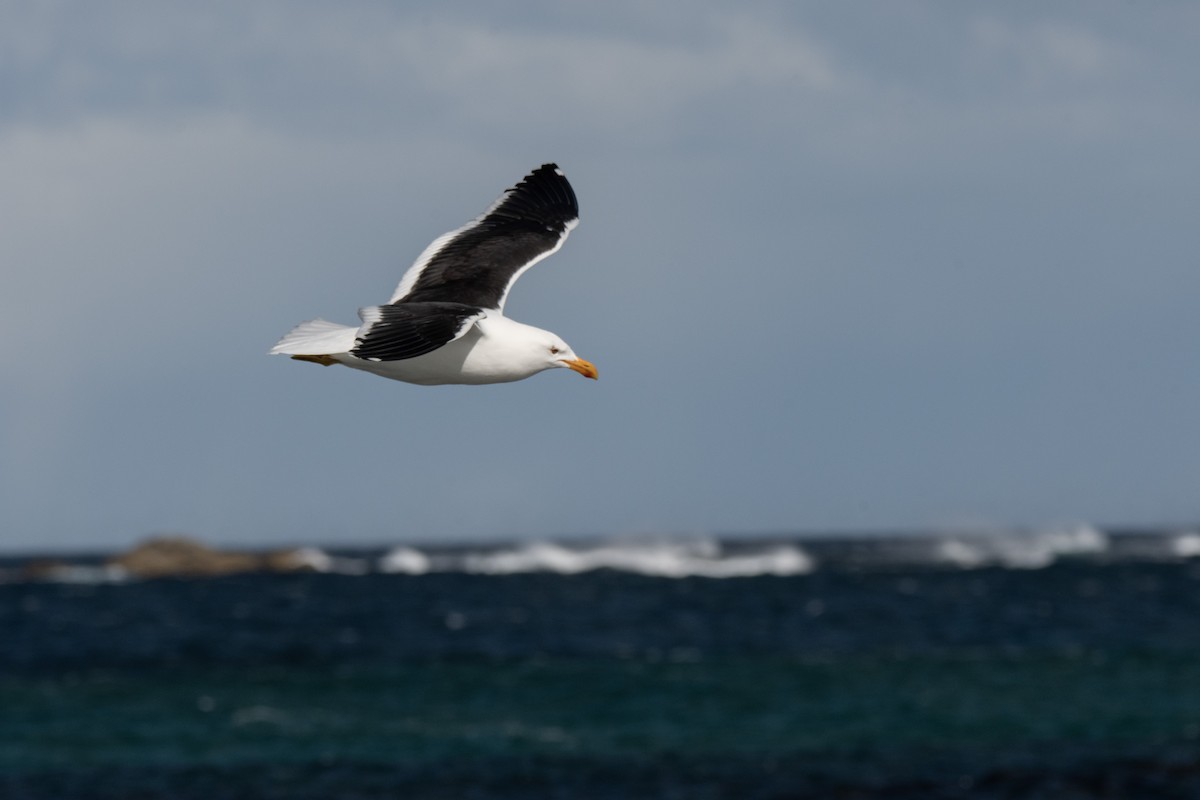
column 837, row 269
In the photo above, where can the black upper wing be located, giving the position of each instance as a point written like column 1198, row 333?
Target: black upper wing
column 407, row 330
column 477, row 264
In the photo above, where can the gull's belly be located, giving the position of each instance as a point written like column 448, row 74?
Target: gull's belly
column 472, row 359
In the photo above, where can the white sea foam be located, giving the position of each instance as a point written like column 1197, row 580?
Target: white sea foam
column 312, row 558
column 668, row 559
column 1186, row 545
column 404, row 560
column 318, row 560
column 1020, row 549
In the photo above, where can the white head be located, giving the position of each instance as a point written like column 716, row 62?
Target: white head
column 560, row 354
column 510, row 350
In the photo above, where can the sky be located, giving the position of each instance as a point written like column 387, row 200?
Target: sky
column 842, row 267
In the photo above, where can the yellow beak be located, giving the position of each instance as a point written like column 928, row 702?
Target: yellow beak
column 585, row 368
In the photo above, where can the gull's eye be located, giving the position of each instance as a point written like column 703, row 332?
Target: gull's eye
column 554, row 350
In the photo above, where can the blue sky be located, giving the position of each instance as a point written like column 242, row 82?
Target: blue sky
column 841, row 267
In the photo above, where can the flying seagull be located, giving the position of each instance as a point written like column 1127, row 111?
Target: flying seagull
column 445, row 322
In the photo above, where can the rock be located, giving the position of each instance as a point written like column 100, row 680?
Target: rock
column 178, row 556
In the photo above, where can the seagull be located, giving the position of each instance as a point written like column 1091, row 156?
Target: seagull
column 445, row 322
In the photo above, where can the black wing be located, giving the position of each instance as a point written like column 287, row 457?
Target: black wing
column 478, row 263
column 408, row 330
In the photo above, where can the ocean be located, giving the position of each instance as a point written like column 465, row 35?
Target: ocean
column 1039, row 664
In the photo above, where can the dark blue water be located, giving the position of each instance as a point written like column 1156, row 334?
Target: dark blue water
column 1078, row 680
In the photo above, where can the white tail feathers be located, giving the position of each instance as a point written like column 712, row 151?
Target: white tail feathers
column 316, row 337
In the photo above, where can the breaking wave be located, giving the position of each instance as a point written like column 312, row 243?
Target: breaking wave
column 1023, row 549
column 666, row 559
column 662, row 558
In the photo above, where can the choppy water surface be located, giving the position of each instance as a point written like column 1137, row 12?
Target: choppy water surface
column 916, row 668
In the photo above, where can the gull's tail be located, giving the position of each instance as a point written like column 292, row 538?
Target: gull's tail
column 317, row 337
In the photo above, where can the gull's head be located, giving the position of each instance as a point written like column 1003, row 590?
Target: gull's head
column 511, row 351
column 559, row 354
